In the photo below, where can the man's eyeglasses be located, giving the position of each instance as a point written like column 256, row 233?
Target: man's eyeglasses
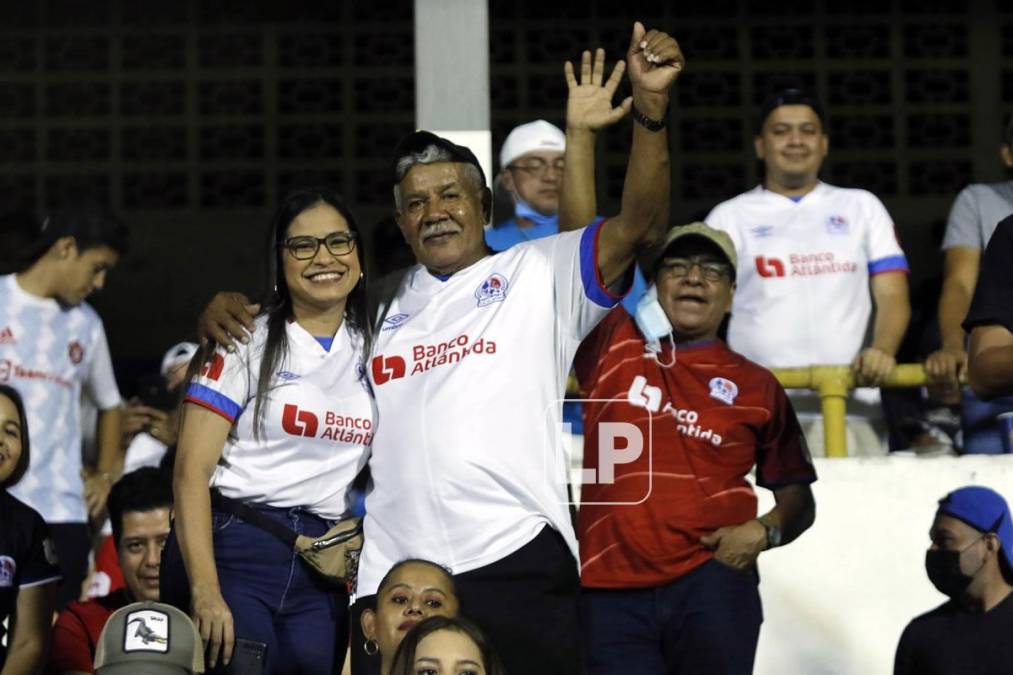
column 537, row 166
column 304, row 248
column 709, row 270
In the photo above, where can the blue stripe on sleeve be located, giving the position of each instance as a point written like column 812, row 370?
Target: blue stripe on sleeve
column 594, row 289
column 214, row 401
column 894, row 263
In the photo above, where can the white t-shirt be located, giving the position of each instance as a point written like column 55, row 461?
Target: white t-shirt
column 48, row 352
column 803, row 275
column 318, row 421
column 469, row 374
column 975, row 213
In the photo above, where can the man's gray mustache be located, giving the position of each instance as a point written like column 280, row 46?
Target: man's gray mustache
column 437, row 229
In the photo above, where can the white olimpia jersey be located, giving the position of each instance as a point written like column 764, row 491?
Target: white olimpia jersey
column 48, row 352
column 318, row 421
column 469, row 374
column 803, row 276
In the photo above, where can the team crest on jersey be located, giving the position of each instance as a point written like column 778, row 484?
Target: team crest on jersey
column 837, row 225
column 7, row 336
column 393, row 322
column 7, row 571
column 762, row 231
column 493, row 289
column 724, row 390
column 288, row 375
column 76, row 352
column 5, row 370
column 147, row 630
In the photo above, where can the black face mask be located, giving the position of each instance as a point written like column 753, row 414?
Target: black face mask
column 943, row 568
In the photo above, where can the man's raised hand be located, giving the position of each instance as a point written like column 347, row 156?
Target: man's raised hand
column 589, row 103
column 654, row 60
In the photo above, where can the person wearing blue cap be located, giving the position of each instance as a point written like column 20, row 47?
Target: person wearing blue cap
column 971, row 561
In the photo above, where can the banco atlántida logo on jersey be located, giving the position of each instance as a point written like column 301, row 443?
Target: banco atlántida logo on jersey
column 803, row 265
column 298, row 421
column 687, row 420
column 428, row 356
column 213, row 367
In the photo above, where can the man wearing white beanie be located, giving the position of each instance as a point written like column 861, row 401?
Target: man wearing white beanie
column 531, row 170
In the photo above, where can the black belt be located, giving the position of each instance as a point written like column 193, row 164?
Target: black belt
column 254, row 517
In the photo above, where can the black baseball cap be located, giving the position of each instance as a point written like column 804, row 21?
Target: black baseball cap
column 791, row 96
column 418, row 141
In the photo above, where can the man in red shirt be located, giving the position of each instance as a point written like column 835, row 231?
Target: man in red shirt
column 139, row 505
column 668, row 532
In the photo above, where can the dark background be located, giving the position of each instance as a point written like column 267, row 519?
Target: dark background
column 190, row 118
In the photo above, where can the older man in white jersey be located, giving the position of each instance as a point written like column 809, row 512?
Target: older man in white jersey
column 469, row 368
column 810, row 253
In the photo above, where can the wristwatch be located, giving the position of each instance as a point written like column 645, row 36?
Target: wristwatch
column 646, row 122
column 773, row 534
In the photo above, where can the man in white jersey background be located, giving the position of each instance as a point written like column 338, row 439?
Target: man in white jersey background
column 809, row 255
column 972, row 220
column 53, row 345
column 469, row 368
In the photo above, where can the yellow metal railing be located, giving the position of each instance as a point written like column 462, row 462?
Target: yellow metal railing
column 833, row 383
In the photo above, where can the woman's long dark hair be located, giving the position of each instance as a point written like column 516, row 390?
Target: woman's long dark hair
column 277, row 300
column 404, row 658
column 22, row 465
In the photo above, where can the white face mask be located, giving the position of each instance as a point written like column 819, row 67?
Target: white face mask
column 653, row 323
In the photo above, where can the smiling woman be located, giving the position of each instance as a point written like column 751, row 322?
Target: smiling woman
column 28, row 574
column 283, row 469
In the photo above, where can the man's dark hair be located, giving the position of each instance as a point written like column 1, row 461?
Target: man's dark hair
column 1007, row 132
column 792, row 96
column 145, row 489
column 91, row 226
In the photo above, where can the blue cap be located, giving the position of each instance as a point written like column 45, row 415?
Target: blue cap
column 983, row 509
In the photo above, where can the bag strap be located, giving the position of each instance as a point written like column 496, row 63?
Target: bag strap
column 253, row 517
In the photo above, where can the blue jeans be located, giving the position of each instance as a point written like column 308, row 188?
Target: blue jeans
column 707, row 621
column 982, row 433
column 275, row 597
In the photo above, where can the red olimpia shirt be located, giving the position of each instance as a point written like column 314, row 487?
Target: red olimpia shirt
column 705, row 422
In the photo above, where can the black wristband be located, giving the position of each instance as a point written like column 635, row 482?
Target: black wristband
column 647, row 122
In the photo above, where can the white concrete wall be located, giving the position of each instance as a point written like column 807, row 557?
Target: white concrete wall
column 836, row 600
